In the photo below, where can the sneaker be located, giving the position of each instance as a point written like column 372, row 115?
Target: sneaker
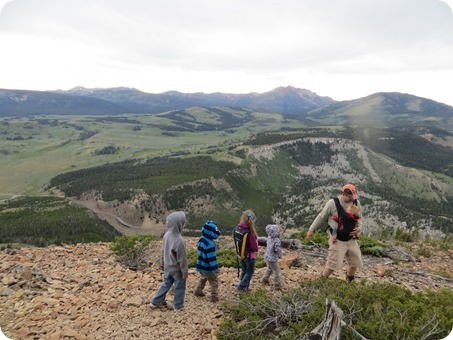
column 179, row 310
column 241, row 289
column 164, row 305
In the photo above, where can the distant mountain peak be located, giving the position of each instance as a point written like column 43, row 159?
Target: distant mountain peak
column 291, row 90
column 78, row 88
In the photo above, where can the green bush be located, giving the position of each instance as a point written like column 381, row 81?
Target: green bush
column 371, row 246
column 300, row 235
column 403, row 236
column 424, row 251
column 376, row 311
column 132, row 250
column 442, row 245
column 319, row 237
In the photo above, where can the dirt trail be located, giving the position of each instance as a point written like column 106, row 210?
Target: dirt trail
column 117, row 222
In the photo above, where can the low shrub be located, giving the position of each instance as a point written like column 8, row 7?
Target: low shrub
column 424, row 251
column 371, row 246
column 376, row 311
column 300, row 235
column 319, row 237
column 132, row 250
column 445, row 245
column 403, row 236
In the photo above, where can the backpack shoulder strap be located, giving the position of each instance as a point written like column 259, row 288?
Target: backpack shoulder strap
column 244, row 250
column 340, row 209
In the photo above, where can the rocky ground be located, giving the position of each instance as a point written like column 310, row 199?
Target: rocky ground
column 83, row 292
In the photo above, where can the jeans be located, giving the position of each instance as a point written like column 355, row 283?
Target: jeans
column 248, row 268
column 171, row 277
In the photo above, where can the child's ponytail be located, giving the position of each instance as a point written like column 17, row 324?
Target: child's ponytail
column 248, row 217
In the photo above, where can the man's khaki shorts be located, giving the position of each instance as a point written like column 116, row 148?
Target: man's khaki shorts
column 340, row 250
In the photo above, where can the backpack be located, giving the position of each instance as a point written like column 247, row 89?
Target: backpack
column 240, row 242
column 345, row 223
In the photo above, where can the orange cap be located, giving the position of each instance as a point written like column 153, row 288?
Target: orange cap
column 352, row 189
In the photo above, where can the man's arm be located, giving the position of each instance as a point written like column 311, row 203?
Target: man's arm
column 322, row 217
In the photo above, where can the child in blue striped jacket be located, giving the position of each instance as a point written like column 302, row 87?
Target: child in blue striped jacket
column 207, row 264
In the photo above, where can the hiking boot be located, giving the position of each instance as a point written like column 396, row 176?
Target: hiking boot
column 265, row 281
column 214, row 298
column 350, row 278
column 199, row 293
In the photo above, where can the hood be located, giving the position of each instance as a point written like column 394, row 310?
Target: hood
column 242, row 225
column 176, row 221
column 210, row 230
column 272, row 230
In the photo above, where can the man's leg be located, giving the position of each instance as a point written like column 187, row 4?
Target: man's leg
column 335, row 257
column 351, row 270
column 327, row 272
column 350, row 273
column 354, row 258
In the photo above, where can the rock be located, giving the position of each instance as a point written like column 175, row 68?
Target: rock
column 134, row 301
column 288, row 261
column 383, row 271
column 7, row 292
column 71, row 333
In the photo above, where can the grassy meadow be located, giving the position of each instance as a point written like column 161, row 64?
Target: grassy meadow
column 33, row 150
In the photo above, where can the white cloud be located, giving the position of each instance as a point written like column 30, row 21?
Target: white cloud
column 339, row 48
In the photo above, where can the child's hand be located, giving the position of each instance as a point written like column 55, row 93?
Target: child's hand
column 355, row 233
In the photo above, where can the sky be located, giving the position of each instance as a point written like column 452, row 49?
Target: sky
column 344, row 49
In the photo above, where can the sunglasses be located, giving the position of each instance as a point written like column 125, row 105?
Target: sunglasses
column 348, row 192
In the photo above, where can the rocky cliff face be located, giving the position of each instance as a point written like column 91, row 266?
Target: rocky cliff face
column 83, row 292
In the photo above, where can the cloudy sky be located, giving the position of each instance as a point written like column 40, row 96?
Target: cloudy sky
column 344, row 49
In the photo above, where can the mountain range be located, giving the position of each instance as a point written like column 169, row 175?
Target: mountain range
column 378, row 109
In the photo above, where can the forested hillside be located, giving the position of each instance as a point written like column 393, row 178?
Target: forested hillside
column 42, row 221
column 286, row 178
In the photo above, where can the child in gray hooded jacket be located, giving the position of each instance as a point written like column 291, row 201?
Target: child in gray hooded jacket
column 272, row 255
column 175, row 263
